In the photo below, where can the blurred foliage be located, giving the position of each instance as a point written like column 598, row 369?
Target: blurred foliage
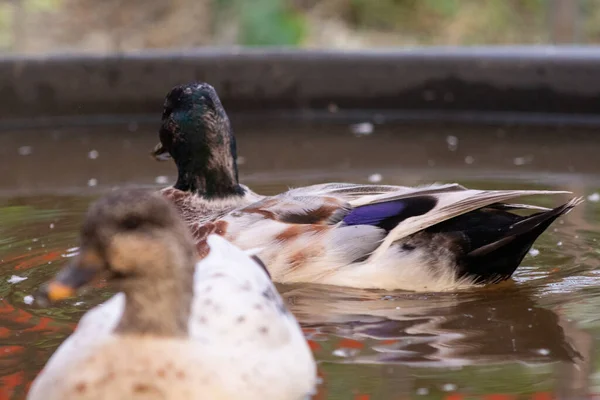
column 266, row 22
column 119, row 25
column 451, row 21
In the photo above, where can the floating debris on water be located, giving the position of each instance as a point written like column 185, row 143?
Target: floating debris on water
column 362, row 129
column 375, row 178
column 241, row 160
column 449, row 387
column 469, row 160
column 522, row 160
column 534, row 252
column 52, row 226
column 431, row 163
column 161, row 180
column 16, row 279
column 452, row 142
column 422, row 392
column 594, row 197
column 543, row 352
column 25, row 150
column 345, row 352
column 559, row 244
column 78, row 303
column 333, row 108
column 71, row 252
column 92, row 182
column 28, row 299
column 92, row 155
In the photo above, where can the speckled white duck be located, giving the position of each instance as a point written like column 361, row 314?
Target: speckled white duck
column 436, row 237
column 218, row 330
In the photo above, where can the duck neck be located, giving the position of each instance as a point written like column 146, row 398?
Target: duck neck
column 160, row 308
column 210, row 169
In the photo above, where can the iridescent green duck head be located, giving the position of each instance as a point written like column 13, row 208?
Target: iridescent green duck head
column 195, row 132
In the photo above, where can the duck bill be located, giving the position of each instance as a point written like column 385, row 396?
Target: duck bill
column 160, row 153
column 77, row 274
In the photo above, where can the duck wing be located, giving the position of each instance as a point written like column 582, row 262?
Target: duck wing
column 450, row 204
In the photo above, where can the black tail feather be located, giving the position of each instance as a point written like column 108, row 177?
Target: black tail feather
column 491, row 242
column 498, row 260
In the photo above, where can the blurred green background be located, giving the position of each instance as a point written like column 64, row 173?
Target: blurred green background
column 108, row 26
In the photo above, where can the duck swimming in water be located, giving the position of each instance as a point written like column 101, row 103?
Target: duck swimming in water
column 177, row 330
column 427, row 238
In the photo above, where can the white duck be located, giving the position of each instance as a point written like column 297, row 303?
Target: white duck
column 216, row 330
column 430, row 238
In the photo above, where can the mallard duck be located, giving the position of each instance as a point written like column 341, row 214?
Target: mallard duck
column 216, row 330
column 428, row 238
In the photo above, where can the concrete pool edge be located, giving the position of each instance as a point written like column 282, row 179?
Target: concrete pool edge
column 524, row 85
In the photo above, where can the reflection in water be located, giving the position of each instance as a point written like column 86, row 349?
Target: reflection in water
column 499, row 325
column 437, row 329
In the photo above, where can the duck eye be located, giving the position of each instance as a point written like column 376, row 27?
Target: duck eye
column 166, row 112
column 131, row 223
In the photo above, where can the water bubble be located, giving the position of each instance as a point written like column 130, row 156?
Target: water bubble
column 161, row 180
column 28, row 299
column 452, row 142
column 16, row 279
column 25, row 150
column 92, row 182
column 375, row 178
column 594, row 197
column 362, row 129
column 92, row 155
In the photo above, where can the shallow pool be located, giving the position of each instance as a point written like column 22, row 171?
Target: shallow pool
column 535, row 337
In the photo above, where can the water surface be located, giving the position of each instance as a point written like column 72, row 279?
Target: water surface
column 534, row 337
